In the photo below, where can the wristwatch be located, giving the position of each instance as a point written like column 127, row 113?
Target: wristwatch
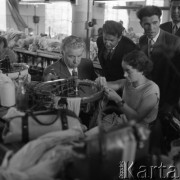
column 121, row 103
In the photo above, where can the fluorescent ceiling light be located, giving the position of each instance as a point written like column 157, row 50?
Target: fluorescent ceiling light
column 135, row 0
column 33, row 2
column 103, row 1
column 40, row 1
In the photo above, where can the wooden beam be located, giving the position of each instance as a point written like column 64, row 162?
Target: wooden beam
column 137, row 7
column 105, row 0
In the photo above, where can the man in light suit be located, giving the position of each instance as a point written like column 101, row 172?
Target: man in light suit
column 72, row 51
column 163, row 49
column 173, row 26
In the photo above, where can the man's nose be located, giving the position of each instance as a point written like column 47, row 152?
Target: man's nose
column 107, row 42
column 176, row 9
column 76, row 60
column 125, row 74
column 151, row 26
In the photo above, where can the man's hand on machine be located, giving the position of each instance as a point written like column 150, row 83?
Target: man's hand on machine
column 51, row 77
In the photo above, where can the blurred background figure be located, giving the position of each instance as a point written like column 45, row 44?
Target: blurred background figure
column 5, row 51
column 124, row 31
column 100, row 32
column 173, row 26
column 121, row 22
column 131, row 35
column 93, row 45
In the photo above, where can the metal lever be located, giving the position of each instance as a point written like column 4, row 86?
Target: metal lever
column 75, row 77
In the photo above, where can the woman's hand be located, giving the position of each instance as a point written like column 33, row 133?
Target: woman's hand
column 112, row 95
column 101, row 81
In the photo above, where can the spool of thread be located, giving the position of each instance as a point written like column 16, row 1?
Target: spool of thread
column 7, row 94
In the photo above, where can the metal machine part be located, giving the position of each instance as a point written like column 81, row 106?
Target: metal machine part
column 43, row 94
column 101, row 156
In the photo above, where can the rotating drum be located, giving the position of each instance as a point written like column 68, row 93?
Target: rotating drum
column 45, row 93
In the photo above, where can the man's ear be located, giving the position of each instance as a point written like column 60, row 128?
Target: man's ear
column 141, row 24
column 62, row 52
column 119, row 38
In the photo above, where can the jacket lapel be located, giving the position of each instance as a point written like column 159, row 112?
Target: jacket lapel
column 170, row 27
column 144, row 44
column 159, row 41
column 64, row 72
column 178, row 32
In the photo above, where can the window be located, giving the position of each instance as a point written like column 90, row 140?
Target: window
column 58, row 18
column 116, row 15
column 122, row 14
column 155, row 2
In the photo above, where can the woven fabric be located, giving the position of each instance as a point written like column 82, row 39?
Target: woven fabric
column 110, row 121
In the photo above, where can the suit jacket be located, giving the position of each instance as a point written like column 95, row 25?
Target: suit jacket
column 166, row 59
column 85, row 70
column 112, row 69
column 169, row 28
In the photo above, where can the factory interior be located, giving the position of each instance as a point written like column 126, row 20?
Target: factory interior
column 89, row 89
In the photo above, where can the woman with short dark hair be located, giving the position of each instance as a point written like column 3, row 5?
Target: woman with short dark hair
column 140, row 95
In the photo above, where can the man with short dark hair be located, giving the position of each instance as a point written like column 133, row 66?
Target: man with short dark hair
column 112, row 46
column 163, row 49
column 173, row 26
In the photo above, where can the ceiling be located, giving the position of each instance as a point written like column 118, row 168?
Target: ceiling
column 40, row 1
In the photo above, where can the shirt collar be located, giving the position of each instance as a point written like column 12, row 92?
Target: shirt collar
column 155, row 38
column 116, row 45
column 71, row 69
column 178, row 24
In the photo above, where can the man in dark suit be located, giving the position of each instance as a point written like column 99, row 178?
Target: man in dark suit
column 163, row 49
column 72, row 51
column 112, row 46
column 173, row 26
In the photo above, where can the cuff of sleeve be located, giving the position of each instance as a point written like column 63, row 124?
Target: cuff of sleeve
column 121, row 103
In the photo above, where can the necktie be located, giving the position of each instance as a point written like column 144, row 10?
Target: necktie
column 175, row 28
column 74, row 73
column 150, row 47
column 75, row 77
column 109, row 55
